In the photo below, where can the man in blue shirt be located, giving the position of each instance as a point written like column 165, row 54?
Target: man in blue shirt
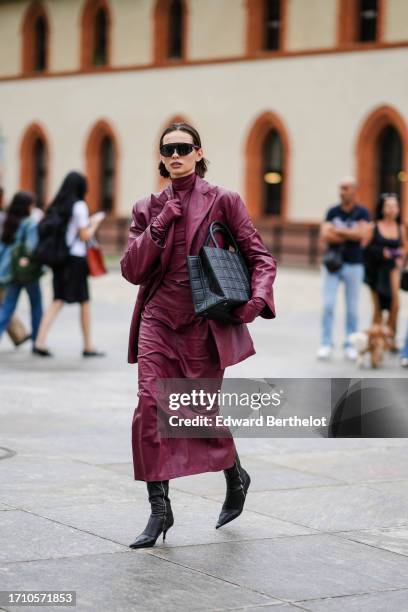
column 344, row 230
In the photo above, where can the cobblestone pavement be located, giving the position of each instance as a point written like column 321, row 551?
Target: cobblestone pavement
column 325, row 525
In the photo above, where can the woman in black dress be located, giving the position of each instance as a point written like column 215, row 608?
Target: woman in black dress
column 70, row 281
column 384, row 255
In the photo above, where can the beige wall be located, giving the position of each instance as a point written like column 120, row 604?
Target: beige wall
column 216, row 28
column 65, row 34
column 396, row 20
column 311, row 24
column 11, row 17
column 322, row 100
column 132, row 32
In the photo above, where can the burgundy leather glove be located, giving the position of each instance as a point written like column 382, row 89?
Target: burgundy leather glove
column 246, row 313
column 160, row 224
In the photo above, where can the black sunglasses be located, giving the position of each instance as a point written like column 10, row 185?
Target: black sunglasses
column 390, row 194
column 182, row 148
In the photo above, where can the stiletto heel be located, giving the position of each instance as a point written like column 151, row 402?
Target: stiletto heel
column 161, row 517
column 238, row 481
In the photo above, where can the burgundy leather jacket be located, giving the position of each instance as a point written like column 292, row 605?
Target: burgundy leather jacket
column 144, row 261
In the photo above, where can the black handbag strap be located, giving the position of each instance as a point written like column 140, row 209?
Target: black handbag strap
column 219, row 226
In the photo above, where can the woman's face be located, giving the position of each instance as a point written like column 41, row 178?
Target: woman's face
column 178, row 165
column 390, row 208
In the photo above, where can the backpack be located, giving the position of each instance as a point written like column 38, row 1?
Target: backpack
column 52, row 249
column 24, row 274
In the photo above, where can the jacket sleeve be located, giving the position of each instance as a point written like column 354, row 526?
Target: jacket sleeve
column 261, row 264
column 142, row 250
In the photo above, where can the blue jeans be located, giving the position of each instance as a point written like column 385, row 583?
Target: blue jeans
column 10, row 303
column 352, row 275
column 404, row 353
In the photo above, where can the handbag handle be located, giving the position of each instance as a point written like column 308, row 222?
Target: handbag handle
column 219, row 226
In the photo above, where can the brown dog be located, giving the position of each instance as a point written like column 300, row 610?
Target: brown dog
column 375, row 340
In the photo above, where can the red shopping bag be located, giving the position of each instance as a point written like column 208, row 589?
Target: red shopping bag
column 95, row 260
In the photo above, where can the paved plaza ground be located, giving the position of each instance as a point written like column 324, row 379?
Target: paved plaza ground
column 325, row 526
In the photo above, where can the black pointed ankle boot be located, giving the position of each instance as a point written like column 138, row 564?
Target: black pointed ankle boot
column 161, row 517
column 238, row 481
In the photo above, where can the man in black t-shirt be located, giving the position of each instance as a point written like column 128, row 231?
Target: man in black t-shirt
column 343, row 230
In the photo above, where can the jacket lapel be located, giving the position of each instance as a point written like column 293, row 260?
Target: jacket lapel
column 198, row 209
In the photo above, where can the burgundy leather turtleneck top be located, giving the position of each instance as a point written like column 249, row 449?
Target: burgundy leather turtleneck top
column 183, row 184
column 174, row 292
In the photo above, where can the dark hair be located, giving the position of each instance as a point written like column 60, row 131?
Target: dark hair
column 73, row 188
column 18, row 209
column 379, row 211
column 201, row 166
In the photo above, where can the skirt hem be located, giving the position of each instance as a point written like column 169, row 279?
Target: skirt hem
column 192, row 473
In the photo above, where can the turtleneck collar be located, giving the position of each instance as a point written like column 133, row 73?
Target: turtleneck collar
column 184, row 183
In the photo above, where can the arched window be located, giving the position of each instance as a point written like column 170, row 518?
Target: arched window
column 267, row 160
column 176, row 29
column 272, row 24
column 100, row 51
column 360, row 21
column 265, row 25
column 102, row 168
column 95, row 34
column 170, row 17
column 273, row 173
column 367, row 20
column 382, row 158
column 35, row 34
column 34, row 163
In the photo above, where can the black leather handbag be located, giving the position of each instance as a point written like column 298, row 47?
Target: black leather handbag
column 219, row 277
column 333, row 259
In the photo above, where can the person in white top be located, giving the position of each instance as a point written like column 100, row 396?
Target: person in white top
column 70, row 282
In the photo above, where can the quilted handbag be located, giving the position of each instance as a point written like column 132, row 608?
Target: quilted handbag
column 219, row 277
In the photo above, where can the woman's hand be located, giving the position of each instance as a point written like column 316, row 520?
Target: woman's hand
column 387, row 253
column 171, row 210
column 246, row 313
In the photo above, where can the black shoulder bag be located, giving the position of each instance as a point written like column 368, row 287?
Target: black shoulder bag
column 219, row 278
column 333, row 257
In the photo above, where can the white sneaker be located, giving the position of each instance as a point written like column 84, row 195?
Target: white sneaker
column 404, row 362
column 324, row 352
column 350, row 353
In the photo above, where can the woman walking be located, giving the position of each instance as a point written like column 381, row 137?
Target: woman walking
column 167, row 339
column 384, row 254
column 16, row 330
column 19, row 228
column 70, row 281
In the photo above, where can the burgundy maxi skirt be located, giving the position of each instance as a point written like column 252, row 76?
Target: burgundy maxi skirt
column 168, row 347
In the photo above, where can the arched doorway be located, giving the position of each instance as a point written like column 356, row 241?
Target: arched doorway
column 102, row 168
column 381, row 153
column 34, row 158
column 267, row 168
column 389, row 160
